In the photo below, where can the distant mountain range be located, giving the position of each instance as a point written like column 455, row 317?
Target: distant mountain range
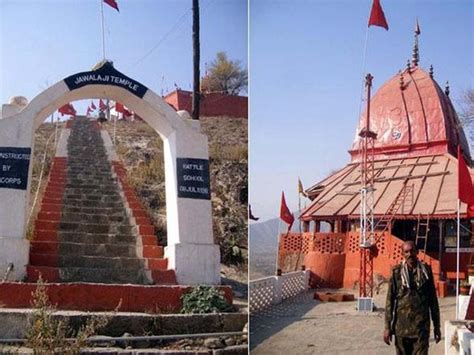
column 263, row 245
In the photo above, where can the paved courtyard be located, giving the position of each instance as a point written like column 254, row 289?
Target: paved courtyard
column 302, row 325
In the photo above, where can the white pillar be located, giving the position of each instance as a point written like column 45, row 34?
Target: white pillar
column 191, row 251
column 14, row 202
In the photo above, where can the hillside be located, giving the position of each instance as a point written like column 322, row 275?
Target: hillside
column 263, row 245
column 141, row 151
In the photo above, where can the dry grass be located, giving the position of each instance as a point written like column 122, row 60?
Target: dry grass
column 48, row 334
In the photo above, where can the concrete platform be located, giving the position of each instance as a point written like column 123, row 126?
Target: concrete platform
column 101, row 297
column 14, row 322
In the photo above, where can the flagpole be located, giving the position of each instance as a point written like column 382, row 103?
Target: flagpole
column 364, row 67
column 103, row 29
column 457, row 261
column 278, row 247
column 299, row 212
column 115, row 123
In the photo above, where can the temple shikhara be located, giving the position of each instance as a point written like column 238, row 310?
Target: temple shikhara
column 413, row 165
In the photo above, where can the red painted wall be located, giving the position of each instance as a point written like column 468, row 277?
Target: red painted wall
column 211, row 104
column 334, row 258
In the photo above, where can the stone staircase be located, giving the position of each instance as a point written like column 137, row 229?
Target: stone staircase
column 86, row 230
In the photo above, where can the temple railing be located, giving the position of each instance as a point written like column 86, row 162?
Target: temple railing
column 312, row 242
column 269, row 291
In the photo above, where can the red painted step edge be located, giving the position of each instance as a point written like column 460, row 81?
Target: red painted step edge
column 101, row 297
column 44, row 246
column 152, row 252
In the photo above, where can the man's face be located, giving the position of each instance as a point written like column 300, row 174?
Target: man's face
column 410, row 253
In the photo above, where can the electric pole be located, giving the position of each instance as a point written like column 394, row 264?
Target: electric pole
column 196, row 60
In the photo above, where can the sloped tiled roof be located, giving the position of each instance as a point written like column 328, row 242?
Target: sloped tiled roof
column 433, row 177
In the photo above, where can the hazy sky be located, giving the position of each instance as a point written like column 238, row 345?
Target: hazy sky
column 306, row 60
column 44, row 41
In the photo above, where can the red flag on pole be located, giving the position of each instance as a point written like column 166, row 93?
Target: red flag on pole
column 112, row 3
column 122, row 109
column 119, row 107
column 377, row 17
column 93, row 106
column 285, row 214
column 102, row 106
column 67, row 109
column 89, row 110
column 465, row 188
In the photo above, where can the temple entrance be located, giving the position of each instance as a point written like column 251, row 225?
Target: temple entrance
column 190, row 250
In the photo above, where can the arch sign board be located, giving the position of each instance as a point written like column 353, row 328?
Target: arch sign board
column 191, row 251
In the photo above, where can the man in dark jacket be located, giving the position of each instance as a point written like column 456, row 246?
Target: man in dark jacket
column 411, row 298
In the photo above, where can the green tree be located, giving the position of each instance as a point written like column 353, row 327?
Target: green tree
column 225, row 76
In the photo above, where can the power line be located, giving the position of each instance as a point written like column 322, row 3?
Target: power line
column 177, row 24
column 162, row 39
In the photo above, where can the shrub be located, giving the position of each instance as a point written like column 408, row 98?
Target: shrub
column 204, row 299
column 48, row 334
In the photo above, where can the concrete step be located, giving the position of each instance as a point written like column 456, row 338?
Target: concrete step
column 106, row 201
column 112, row 190
column 109, row 211
column 103, row 275
column 94, row 218
column 87, row 244
column 89, row 197
column 93, row 180
column 109, row 250
column 97, row 228
column 91, row 186
column 100, row 262
column 87, row 203
column 95, row 238
column 76, row 170
column 53, row 260
column 93, row 275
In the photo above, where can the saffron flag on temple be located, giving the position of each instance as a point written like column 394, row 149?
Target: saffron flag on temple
column 377, row 17
column 285, row 214
column 251, row 216
column 67, row 109
column 102, row 106
column 93, row 106
column 300, row 188
column 112, row 3
column 465, row 189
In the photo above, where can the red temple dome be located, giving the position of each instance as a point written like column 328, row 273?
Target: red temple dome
column 412, row 116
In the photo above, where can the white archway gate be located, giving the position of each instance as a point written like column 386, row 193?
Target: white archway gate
column 191, row 251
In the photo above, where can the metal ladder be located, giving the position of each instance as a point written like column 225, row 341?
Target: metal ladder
column 422, row 230
column 384, row 223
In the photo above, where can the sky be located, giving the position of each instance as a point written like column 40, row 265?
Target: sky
column 306, row 75
column 44, row 41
